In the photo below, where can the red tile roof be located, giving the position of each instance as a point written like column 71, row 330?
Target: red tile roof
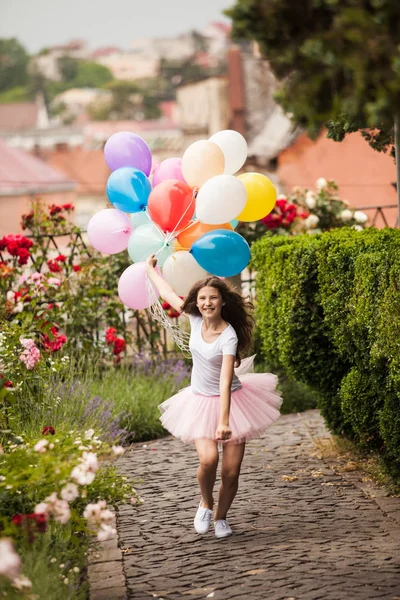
column 18, row 116
column 104, row 51
column 87, row 167
column 21, row 173
column 364, row 176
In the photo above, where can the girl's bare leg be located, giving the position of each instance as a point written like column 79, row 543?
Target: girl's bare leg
column 207, row 451
column 232, row 456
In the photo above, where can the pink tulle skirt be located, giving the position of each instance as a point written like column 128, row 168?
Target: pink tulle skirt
column 254, row 407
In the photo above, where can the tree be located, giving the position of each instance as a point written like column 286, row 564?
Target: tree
column 338, row 60
column 91, row 74
column 13, row 64
column 68, row 66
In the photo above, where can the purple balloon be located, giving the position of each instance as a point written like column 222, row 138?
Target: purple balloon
column 126, row 149
column 171, row 168
column 132, row 286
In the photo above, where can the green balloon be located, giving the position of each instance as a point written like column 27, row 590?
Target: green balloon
column 146, row 240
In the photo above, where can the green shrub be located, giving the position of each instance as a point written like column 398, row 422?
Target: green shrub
column 329, row 316
column 291, row 320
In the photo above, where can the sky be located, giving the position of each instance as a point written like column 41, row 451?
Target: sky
column 41, row 23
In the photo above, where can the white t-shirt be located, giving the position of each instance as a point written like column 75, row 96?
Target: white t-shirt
column 207, row 358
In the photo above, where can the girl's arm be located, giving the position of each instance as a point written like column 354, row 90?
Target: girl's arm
column 224, row 432
column 166, row 291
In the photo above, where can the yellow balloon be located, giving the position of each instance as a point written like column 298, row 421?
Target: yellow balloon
column 261, row 196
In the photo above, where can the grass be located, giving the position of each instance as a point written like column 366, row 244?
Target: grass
column 49, row 562
column 119, row 403
column 297, row 397
column 345, row 457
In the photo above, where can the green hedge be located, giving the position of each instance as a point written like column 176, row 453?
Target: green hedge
column 328, row 309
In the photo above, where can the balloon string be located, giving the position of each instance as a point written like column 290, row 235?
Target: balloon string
column 184, row 213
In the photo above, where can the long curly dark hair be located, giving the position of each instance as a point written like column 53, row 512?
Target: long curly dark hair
column 236, row 310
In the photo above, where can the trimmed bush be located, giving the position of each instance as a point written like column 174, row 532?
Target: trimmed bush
column 328, row 310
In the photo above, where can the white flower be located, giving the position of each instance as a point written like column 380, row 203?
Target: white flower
column 89, row 434
column 40, row 446
column 10, row 296
column 107, row 516
column 357, row 227
column 118, row 450
column 310, row 199
column 76, row 569
column 41, row 508
column 106, row 532
column 10, row 564
column 92, row 513
column 22, row 583
column 82, row 476
column 311, row 221
column 346, row 215
column 56, row 508
column 360, row 216
column 321, row 183
column 69, row 492
column 18, row 308
column 89, row 461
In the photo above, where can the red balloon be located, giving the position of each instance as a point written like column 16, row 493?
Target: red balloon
column 171, row 205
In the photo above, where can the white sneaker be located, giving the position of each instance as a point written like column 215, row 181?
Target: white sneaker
column 202, row 520
column 222, row 528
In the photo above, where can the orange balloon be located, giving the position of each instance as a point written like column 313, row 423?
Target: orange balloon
column 171, row 204
column 187, row 238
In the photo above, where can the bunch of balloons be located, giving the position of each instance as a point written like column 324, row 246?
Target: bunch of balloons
column 186, row 215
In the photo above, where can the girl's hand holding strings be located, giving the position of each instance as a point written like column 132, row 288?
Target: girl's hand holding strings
column 151, row 262
column 223, row 432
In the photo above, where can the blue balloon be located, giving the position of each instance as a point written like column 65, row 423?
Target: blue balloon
column 234, row 223
column 221, row 252
column 128, row 189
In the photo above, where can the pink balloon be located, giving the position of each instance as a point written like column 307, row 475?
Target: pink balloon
column 132, row 287
column 171, row 168
column 109, row 230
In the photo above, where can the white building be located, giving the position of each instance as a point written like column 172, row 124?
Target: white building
column 130, row 65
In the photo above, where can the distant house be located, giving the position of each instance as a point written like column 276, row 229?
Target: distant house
column 77, row 100
column 129, row 65
column 203, row 108
column 47, row 62
column 22, row 178
column 88, row 168
column 21, row 116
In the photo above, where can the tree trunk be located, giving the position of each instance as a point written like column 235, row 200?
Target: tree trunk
column 397, row 152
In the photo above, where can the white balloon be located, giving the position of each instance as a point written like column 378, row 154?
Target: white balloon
column 234, row 147
column 220, row 199
column 182, row 271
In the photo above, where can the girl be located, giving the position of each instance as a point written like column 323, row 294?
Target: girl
column 217, row 407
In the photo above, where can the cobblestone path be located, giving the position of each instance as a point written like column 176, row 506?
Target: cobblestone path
column 301, row 529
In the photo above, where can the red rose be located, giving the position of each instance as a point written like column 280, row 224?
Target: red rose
column 48, row 429
column 23, row 256
column 54, row 209
column 165, row 305
column 54, row 267
column 119, row 345
column 12, row 248
column 60, row 258
column 77, row 268
column 110, row 335
column 281, row 203
column 68, row 206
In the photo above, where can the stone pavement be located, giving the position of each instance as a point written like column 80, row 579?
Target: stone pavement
column 302, row 531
